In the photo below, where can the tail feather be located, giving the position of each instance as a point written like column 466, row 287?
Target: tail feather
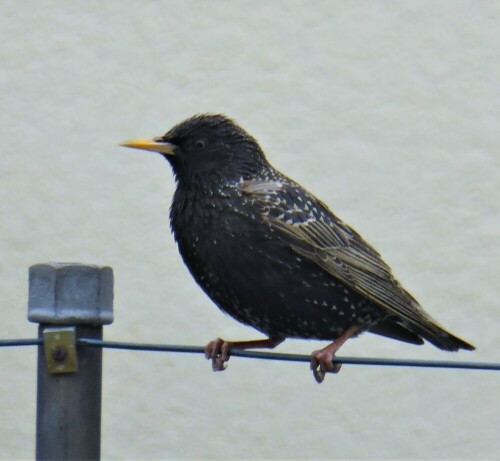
column 444, row 339
column 411, row 333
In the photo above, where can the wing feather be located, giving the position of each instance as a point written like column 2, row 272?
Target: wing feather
column 317, row 234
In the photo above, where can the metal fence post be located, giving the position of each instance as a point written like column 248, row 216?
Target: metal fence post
column 69, row 301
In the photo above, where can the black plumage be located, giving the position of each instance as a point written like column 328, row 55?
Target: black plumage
column 272, row 255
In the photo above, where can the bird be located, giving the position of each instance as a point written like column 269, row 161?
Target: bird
column 271, row 255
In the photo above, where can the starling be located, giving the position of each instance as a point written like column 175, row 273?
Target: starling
column 272, row 255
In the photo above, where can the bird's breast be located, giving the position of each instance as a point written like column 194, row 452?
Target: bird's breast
column 254, row 275
column 202, row 223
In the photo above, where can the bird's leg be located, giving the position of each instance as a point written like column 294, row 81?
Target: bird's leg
column 219, row 350
column 321, row 361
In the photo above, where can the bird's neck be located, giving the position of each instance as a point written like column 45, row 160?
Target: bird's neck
column 194, row 203
column 197, row 196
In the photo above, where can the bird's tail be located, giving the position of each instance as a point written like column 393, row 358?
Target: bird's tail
column 444, row 339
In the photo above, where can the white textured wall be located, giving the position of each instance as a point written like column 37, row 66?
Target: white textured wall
column 388, row 111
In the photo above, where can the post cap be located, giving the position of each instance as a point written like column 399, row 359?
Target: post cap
column 70, row 294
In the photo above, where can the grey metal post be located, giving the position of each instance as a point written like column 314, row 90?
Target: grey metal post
column 69, row 301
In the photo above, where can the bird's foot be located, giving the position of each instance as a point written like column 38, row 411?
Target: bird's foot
column 218, row 351
column 322, row 363
column 322, row 360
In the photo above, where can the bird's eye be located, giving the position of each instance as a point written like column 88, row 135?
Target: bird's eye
column 199, row 144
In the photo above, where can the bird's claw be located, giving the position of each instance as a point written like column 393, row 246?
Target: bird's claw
column 218, row 351
column 321, row 364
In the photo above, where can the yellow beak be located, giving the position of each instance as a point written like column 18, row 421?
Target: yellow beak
column 150, row 144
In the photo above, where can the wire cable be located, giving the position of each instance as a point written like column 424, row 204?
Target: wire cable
column 90, row 342
column 20, row 342
column 294, row 357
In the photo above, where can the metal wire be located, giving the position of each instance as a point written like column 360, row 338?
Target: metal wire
column 20, row 342
column 293, row 357
column 265, row 355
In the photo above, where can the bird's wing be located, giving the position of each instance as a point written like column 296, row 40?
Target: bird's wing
column 314, row 232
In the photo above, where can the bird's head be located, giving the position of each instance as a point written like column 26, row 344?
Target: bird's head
column 205, row 148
